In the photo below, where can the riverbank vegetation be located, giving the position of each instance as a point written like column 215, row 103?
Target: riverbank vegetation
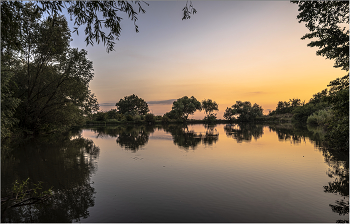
column 46, row 82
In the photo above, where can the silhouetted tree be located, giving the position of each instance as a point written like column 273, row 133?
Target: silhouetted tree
column 132, row 105
column 50, row 79
column 185, row 106
column 209, row 107
column 83, row 13
column 244, row 111
column 329, row 31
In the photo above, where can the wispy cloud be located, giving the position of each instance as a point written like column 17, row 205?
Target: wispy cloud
column 107, row 104
column 163, row 102
column 257, row 92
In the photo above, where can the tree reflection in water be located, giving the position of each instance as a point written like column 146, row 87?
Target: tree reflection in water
column 134, row 137
column 338, row 170
column 337, row 161
column 244, row 131
column 189, row 139
column 211, row 135
column 64, row 162
column 130, row 137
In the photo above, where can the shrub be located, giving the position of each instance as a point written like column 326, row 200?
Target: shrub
column 301, row 113
column 210, row 118
column 338, row 133
column 137, row 118
column 120, row 117
column 165, row 119
column 320, row 117
column 312, row 119
column 150, row 118
column 129, row 117
column 112, row 114
column 123, row 119
column 101, row 116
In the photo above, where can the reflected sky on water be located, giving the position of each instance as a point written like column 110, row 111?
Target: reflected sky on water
column 200, row 173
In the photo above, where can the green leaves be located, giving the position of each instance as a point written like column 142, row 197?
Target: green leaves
column 132, row 105
column 188, row 10
column 243, row 111
column 328, row 22
column 9, row 102
column 50, row 80
column 86, row 13
column 185, row 106
column 209, row 106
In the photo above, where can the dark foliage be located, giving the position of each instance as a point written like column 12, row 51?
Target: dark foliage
column 244, row 111
column 132, row 105
column 328, row 22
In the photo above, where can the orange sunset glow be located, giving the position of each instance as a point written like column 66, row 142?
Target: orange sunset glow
column 228, row 51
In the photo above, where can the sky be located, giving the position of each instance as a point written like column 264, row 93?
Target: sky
column 229, row 51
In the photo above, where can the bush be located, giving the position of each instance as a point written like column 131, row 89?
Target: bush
column 338, row 133
column 101, row 116
column 120, row 117
column 112, row 114
column 129, row 117
column 320, row 117
column 172, row 115
column 150, row 118
column 165, row 119
column 137, row 118
column 312, row 119
column 301, row 113
column 210, row 118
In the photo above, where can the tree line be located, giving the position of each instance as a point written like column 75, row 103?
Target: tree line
column 328, row 109
column 45, row 82
column 135, row 109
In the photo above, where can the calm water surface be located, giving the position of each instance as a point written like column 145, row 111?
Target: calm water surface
column 195, row 173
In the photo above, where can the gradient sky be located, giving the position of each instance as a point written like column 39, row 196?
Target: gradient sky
column 228, row 51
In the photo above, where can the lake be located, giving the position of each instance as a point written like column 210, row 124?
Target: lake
column 176, row 173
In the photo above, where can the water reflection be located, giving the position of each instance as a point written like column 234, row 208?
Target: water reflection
column 189, row 139
column 130, row 137
column 337, row 161
column 135, row 137
column 67, row 163
column 339, row 171
column 64, row 162
column 211, row 135
column 244, row 132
